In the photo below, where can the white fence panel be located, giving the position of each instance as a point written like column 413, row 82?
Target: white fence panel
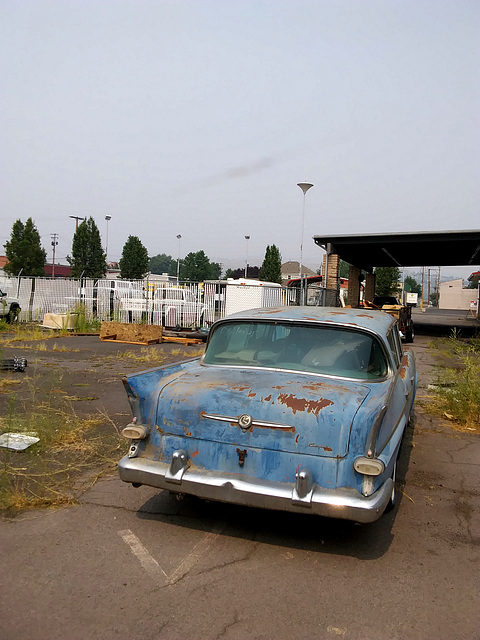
column 186, row 305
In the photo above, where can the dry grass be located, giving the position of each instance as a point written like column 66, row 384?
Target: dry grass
column 72, row 452
column 158, row 356
column 25, row 333
column 7, row 383
column 62, row 347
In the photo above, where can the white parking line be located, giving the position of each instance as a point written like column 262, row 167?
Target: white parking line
column 195, row 554
column 147, row 561
column 152, row 567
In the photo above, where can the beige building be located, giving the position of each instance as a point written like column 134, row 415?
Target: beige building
column 454, row 296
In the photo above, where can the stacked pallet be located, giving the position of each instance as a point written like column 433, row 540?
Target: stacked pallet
column 143, row 334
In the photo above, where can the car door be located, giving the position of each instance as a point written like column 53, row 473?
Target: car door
column 401, row 393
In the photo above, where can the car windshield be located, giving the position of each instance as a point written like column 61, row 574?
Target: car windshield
column 310, row 348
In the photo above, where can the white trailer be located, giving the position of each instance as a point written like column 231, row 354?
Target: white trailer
column 244, row 294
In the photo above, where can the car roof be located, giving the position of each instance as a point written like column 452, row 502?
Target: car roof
column 374, row 320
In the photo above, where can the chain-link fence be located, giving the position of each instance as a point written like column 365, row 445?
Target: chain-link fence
column 186, row 305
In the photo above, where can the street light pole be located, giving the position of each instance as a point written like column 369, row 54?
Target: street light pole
column 247, row 238
column 107, row 218
column 179, row 237
column 304, row 186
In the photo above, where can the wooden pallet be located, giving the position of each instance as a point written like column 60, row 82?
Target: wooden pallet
column 180, row 340
column 177, row 339
column 144, row 342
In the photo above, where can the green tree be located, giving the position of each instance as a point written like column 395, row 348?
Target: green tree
column 343, row 268
column 239, row 273
column 271, row 269
column 386, row 280
column 162, row 263
column 24, row 251
column 412, row 285
column 134, row 263
column 197, row 267
column 88, row 256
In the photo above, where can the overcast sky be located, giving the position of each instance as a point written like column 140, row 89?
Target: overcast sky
column 199, row 117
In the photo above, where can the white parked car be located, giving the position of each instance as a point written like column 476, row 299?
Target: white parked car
column 169, row 306
column 9, row 307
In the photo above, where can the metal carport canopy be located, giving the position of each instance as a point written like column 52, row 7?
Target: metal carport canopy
column 420, row 249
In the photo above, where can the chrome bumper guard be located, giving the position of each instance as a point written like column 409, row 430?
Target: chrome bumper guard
column 302, row 497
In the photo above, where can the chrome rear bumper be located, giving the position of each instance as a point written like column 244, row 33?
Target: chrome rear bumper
column 233, row 488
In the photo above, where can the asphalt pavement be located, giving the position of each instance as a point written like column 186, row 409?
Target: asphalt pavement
column 138, row 564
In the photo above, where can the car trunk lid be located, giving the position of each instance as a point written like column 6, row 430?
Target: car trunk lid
column 299, row 414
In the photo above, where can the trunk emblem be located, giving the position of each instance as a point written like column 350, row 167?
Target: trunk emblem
column 245, row 422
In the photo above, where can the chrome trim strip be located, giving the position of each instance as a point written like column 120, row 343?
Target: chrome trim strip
column 234, row 488
column 300, row 371
column 255, row 423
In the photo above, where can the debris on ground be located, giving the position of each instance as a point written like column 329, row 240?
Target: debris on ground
column 17, row 441
column 13, row 364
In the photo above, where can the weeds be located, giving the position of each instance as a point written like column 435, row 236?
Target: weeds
column 83, row 322
column 458, row 387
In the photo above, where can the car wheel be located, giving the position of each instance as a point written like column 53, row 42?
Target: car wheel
column 12, row 315
column 393, row 497
column 409, row 333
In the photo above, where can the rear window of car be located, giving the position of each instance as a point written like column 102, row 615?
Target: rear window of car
column 315, row 349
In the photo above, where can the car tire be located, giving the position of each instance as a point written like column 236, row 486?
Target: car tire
column 12, row 315
column 409, row 333
column 393, row 498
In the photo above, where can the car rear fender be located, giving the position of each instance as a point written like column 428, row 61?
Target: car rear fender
column 143, row 388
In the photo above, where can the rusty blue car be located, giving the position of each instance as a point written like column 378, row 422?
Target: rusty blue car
column 301, row 409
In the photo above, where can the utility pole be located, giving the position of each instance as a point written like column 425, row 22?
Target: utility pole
column 423, row 287
column 438, row 288
column 77, row 218
column 54, row 237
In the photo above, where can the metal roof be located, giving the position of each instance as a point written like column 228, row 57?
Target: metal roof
column 423, row 249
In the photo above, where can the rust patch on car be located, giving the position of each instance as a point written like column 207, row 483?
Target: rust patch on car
column 240, row 387
column 268, row 398
column 194, row 454
column 320, row 446
column 187, row 432
column 296, row 439
column 403, row 373
column 252, row 394
column 302, row 404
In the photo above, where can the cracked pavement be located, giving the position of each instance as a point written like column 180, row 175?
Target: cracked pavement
column 245, row 573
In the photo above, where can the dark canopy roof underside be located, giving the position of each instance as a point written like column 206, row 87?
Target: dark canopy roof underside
column 442, row 248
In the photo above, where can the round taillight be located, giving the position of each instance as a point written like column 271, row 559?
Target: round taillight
column 134, row 432
column 369, row 466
